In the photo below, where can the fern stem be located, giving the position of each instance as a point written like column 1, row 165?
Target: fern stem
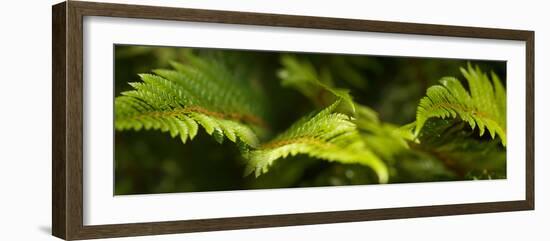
column 250, row 119
column 303, row 140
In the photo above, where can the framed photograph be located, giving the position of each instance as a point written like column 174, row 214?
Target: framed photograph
column 170, row 120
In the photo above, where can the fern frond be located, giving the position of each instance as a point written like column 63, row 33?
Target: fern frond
column 199, row 93
column 379, row 140
column 326, row 135
column 383, row 139
column 484, row 105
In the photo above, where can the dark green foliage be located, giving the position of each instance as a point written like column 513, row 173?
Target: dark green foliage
column 461, row 149
column 302, row 76
column 305, row 120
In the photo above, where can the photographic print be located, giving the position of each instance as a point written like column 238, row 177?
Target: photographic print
column 286, row 120
column 197, row 119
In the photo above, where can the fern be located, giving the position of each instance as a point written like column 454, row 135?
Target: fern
column 380, row 140
column 326, row 135
column 484, row 106
column 201, row 93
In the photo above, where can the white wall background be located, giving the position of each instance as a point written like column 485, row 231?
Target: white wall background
column 25, row 120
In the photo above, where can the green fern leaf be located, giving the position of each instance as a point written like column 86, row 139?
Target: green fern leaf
column 326, row 135
column 199, row 93
column 483, row 106
column 383, row 139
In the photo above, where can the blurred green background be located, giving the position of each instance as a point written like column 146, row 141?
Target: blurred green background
column 153, row 162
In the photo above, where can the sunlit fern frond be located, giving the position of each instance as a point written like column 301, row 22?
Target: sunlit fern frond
column 326, row 135
column 483, row 106
column 197, row 93
column 381, row 138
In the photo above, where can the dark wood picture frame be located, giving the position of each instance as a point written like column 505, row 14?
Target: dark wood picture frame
column 67, row 157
